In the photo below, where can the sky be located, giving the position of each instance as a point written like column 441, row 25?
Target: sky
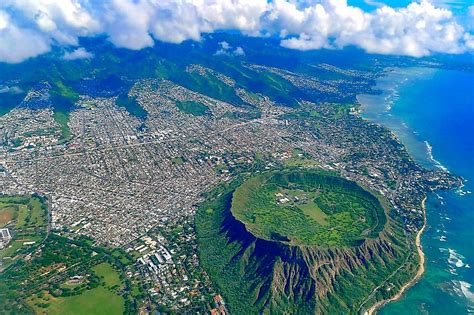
column 29, row 28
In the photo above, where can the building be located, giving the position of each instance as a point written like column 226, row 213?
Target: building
column 220, row 308
column 5, row 237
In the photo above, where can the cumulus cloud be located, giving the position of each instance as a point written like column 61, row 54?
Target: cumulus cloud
column 419, row 29
column 224, row 45
column 10, row 89
column 29, row 28
column 79, row 53
column 239, row 51
column 228, row 50
column 33, row 43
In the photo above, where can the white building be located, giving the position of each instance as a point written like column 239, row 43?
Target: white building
column 5, row 237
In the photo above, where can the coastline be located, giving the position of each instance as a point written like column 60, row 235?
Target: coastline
column 421, row 269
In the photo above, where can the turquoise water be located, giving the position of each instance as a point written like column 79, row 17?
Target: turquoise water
column 432, row 112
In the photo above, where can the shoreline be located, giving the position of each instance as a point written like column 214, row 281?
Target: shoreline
column 421, row 269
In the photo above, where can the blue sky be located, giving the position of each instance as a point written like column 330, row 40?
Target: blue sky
column 29, row 28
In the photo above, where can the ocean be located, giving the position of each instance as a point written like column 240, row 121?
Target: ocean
column 432, row 112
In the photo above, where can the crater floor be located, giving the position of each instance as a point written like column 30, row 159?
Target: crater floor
column 308, row 207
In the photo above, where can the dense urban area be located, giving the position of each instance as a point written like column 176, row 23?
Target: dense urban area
column 119, row 179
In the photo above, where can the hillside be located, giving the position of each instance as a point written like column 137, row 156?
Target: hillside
column 261, row 275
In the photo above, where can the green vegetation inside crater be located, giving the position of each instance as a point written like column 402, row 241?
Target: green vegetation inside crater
column 193, row 108
column 308, row 208
column 268, row 277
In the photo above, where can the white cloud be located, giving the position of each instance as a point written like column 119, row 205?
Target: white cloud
column 79, row 53
column 471, row 10
column 239, row 51
column 17, row 43
column 10, row 89
column 227, row 49
column 417, row 30
column 225, row 45
column 469, row 41
column 63, row 21
column 128, row 24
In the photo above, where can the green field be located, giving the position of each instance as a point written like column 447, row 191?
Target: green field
column 110, row 276
column 312, row 210
column 67, row 277
column 193, row 108
column 132, row 106
column 177, row 160
column 7, row 214
column 308, row 208
column 62, row 118
column 26, row 217
column 22, row 214
column 63, row 90
column 96, row 301
column 63, row 98
column 99, row 300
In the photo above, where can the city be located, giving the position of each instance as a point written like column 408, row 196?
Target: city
column 127, row 182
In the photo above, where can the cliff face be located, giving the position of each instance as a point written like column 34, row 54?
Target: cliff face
column 300, row 278
column 258, row 276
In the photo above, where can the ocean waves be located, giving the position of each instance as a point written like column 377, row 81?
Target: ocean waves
column 464, row 290
column 429, row 151
column 434, row 121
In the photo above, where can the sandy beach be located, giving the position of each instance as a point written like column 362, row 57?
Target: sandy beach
column 373, row 309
